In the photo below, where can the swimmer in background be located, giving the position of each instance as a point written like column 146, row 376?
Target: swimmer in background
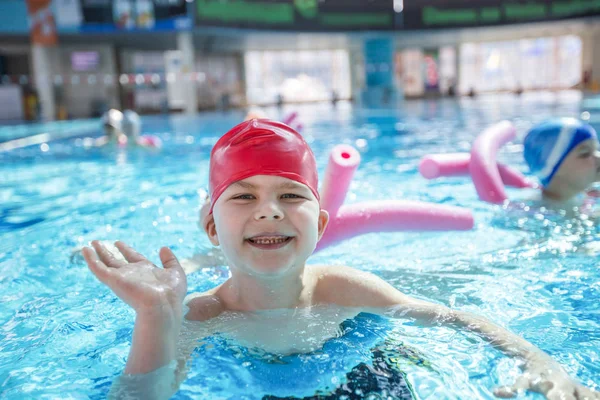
column 563, row 154
column 265, row 214
column 112, row 125
column 123, row 129
column 132, row 128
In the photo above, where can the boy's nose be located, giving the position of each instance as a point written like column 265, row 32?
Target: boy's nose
column 269, row 210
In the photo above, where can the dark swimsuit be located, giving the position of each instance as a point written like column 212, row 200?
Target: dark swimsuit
column 364, row 349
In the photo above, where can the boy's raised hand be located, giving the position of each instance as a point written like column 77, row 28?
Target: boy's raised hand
column 549, row 379
column 135, row 280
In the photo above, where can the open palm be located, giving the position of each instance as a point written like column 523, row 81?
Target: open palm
column 550, row 380
column 137, row 281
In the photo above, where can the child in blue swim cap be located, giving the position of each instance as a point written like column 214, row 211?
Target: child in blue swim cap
column 266, row 215
column 563, row 154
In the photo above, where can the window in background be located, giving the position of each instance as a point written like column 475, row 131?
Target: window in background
column 447, row 68
column 429, row 71
column 527, row 64
column 569, row 57
column 220, row 80
column 296, row 76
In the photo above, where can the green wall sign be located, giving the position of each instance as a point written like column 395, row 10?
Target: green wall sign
column 310, row 15
column 350, row 15
column 430, row 14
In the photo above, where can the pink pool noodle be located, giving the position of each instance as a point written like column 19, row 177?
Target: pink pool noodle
column 483, row 165
column 343, row 161
column 452, row 164
column 290, row 118
column 512, row 177
column 393, row 216
column 594, row 193
column 150, row 141
column 457, row 164
column 347, row 221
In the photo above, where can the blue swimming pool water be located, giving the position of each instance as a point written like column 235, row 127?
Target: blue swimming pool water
column 64, row 335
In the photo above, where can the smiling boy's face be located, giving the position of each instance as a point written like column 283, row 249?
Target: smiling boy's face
column 581, row 167
column 266, row 225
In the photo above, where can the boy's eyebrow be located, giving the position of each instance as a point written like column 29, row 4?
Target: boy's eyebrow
column 285, row 185
column 243, row 184
column 291, row 185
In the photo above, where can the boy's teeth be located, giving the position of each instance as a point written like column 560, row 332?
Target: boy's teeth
column 269, row 240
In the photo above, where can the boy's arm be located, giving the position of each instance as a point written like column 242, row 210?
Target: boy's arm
column 351, row 288
column 154, row 340
column 156, row 295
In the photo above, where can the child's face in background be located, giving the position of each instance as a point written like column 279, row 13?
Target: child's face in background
column 581, row 167
column 267, row 225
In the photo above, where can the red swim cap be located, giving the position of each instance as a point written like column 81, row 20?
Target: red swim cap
column 261, row 147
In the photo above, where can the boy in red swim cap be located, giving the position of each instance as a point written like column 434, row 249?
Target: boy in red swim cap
column 265, row 215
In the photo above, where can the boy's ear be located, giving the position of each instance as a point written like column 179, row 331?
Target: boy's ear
column 323, row 221
column 211, row 229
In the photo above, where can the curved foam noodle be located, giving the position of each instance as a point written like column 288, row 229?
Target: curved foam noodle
column 484, row 166
column 347, row 221
column 458, row 164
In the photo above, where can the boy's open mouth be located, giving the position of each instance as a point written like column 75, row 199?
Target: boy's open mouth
column 270, row 242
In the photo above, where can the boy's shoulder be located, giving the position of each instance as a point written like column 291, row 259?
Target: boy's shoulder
column 345, row 286
column 327, row 275
column 331, row 271
column 337, row 273
column 203, row 306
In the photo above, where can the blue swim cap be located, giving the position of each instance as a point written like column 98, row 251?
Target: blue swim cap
column 547, row 144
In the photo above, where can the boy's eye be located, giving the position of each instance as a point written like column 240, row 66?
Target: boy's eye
column 291, row 196
column 243, row 197
column 585, row 155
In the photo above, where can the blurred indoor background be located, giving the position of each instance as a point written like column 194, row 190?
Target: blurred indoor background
column 66, row 59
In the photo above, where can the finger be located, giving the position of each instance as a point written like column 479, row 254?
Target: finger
column 168, row 259
column 98, row 268
column 129, row 253
column 106, row 256
column 522, row 383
